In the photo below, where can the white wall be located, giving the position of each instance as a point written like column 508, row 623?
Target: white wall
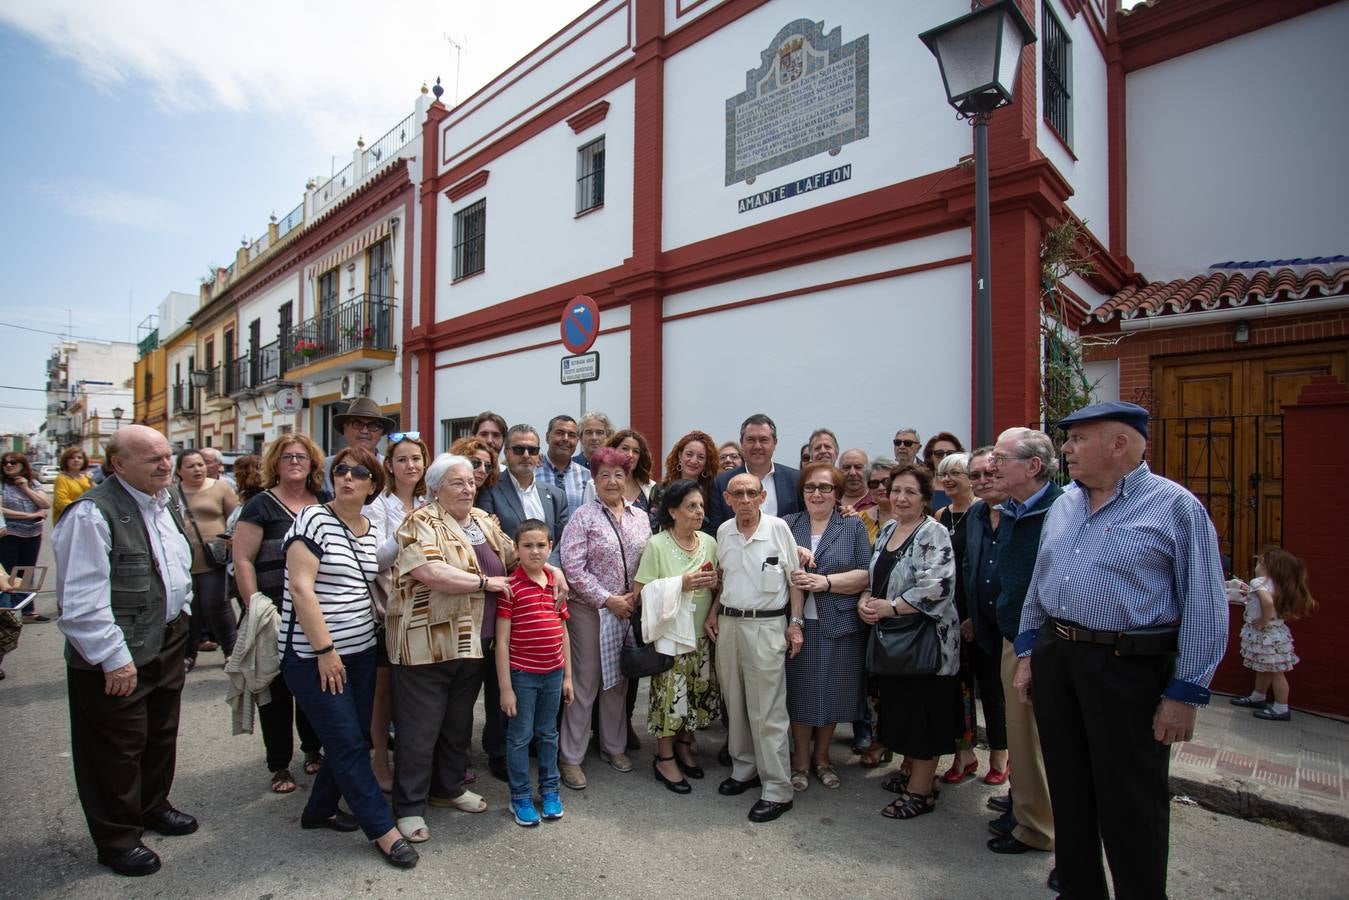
column 534, row 237
column 912, row 130
column 1104, row 376
column 1236, row 151
column 691, row 9
column 1089, row 174
column 174, row 311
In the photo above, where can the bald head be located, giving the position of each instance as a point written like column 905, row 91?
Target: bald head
column 745, row 494
column 140, row 456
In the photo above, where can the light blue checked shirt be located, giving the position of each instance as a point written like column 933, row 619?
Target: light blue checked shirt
column 572, row 479
column 1148, row 557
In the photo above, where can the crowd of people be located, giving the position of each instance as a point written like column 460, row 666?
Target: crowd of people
column 899, row 595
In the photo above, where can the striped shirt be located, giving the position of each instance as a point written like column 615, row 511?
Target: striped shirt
column 1148, row 557
column 536, row 624
column 341, row 583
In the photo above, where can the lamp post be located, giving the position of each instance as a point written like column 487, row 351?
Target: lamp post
column 117, row 412
column 200, row 378
column 978, row 55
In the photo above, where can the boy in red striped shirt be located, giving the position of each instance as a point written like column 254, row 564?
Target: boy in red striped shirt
column 533, row 660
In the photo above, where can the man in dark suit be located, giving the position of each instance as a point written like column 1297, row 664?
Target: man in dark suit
column 516, row 496
column 758, row 441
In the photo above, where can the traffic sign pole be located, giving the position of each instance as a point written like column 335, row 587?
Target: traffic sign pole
column 580, row 326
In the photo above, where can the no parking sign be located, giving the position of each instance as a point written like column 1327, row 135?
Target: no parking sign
column 580, row 323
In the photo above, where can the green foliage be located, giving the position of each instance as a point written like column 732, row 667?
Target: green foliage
column 1064, row 385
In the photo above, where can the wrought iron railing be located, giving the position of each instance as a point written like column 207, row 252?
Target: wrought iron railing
column 269, row 364
column 183, row 398
column 294, row 219
column 366, row 322
column 334, row 186
column 238, row 375
column 387, row 147
column 213, row 381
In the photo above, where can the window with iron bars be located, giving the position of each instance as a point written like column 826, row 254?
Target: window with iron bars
column 470, row 240
column 1058, row 76
column 590, row 176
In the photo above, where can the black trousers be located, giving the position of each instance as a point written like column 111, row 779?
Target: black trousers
column 124, row 748
column 280, row 719
column 987, row 672
column 1107, row 773
column 433, row 716
column 494, row 723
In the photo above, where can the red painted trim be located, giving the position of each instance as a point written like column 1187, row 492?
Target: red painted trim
column 681, row 10
column 816, row 288
column 627, row 45
column 591, row 115
column 1117, row 157
column 1060, row 138
column 467, row 186
column 428, row 214
column 542, row 345
column 1153, row 34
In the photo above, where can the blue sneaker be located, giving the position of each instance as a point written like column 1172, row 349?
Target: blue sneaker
column 552, row 806
column 525, row 813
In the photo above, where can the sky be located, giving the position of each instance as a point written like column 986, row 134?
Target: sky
column 144, row 140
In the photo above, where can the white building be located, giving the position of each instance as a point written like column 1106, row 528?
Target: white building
column 86, row 381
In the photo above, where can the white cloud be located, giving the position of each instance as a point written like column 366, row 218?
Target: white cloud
column 341, row 68
column 111, row 205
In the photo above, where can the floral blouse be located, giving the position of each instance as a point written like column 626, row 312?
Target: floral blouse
column 593, row 563
column 924, row 577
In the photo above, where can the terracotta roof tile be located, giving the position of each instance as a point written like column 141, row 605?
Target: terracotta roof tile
column 1225, row 286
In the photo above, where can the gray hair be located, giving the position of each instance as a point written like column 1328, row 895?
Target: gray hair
column 598, row 417
column 1032, row 444
column 819, row 431
column 440, row 467
column 888, row 463
column 954, row 461
column 985, row 450
column 905, row 429
column 520, row 429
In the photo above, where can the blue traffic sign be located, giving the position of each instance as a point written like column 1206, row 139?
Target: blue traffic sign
column 580, row 323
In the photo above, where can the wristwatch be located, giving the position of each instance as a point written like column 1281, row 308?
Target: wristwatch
column 797, row 620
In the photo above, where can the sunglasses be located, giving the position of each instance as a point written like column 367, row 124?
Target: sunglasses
column 360, row 473
column 404, row 436
column 13, row 462
column 904, row 442
column 875, row 483
column 475, row 463
column 524, row 450
column 942, row 454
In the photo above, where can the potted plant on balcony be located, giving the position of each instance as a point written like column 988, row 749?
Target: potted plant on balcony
column 354, row 333
column 307, row 348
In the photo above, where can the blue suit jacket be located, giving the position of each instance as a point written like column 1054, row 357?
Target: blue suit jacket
column 785, row 481
column 502, row 501
column 843, row 547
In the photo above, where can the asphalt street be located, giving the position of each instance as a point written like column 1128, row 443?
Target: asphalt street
column 625, row 836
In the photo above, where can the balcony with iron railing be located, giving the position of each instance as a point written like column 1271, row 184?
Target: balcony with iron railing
column 214, row 382
column 184, row 399
column 359, row 335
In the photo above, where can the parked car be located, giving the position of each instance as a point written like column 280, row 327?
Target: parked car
column 47, row 474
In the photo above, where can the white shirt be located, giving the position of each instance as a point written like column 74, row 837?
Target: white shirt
column 81, row 542
column 810, row 610
column 750, row 581
column 386, row 512
column 529, row 498
column 770, row 490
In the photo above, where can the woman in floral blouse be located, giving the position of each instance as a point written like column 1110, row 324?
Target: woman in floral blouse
column 913, row 573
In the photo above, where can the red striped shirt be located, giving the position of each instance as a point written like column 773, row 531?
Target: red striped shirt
column 536, row 624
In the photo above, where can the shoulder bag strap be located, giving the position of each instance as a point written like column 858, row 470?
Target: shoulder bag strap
column 355, row 552
column 191, row 518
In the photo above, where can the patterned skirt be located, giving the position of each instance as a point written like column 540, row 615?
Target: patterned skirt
column 686, row 697
column 826, row 681
column 1269, row 649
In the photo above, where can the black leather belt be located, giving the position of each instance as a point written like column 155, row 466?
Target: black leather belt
column 1156, row 641
column 753, row 613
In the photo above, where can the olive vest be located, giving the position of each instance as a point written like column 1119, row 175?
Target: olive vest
column 139, row 602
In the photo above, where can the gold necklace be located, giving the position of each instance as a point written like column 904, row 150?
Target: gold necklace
column 689, row 550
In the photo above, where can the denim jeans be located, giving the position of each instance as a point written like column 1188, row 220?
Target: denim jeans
column 342, row 722
column 537, row 698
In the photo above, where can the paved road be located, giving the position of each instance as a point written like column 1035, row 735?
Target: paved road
column 625, row 836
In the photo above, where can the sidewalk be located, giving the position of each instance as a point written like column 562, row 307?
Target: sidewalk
column 1295, row 773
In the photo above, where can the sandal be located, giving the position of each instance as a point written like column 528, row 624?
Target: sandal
column 282, row 782
column 800, row 780
column 897, row 783
column 413, row 829
column 827, row 776
column 909, row 806
column 876, row 754
column 312, row 763
column 468, row 802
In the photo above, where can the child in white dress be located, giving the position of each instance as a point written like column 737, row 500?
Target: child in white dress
column 1278, row 592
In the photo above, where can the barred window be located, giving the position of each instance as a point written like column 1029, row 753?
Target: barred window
column 1058, row 76
column 590, row 176
column 470, row 240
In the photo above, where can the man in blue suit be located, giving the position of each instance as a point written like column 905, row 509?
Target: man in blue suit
column 516, row 496
column 758, row 441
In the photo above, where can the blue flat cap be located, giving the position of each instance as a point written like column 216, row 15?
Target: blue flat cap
column 1131, row 414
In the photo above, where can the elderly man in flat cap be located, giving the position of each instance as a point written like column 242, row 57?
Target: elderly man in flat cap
column 1122, row 628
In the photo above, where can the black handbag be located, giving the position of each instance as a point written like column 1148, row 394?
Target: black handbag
column 904, row 647
column 641, row 660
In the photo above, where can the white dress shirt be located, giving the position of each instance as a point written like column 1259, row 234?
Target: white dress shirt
column 82, row 542
column 770, row 490
column 749, row 580
column 529, row 498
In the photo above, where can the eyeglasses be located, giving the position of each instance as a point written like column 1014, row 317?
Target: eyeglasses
column 294, row 457
column 817, row 489
column 360, row 473
column 875, row 483
column 952, row 473
column 979, row 474
column 744, row 495
column 364, row 425
column 524, row 450
column 1002, row 458
column 942, row 454
column 904, row 442
column 404, row 436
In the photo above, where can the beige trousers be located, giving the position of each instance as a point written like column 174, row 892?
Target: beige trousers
column 584, row 630
column 1030, row 790
column 751, row 667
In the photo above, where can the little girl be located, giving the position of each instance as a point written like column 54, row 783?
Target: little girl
column 1278, row 592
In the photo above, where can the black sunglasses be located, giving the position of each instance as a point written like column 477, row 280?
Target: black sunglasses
column 524, row 450
column 876, row 482
column 475, row 463
column 360, row 473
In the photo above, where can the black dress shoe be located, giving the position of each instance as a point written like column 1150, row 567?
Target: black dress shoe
column 1003, row 825
column 400, row 855
column 171, row 822
column 139, row 860
column 341, row 821
column 1000, row 803
column 1053, row 881
column 1008, row 844
column 497, row 766
column 724, row 755
column 679, row 787
column 767, row 810
column 730, row 787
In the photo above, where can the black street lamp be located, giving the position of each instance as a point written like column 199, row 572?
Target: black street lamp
column 978, row 54
column 117, row 413
column 200, row 378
